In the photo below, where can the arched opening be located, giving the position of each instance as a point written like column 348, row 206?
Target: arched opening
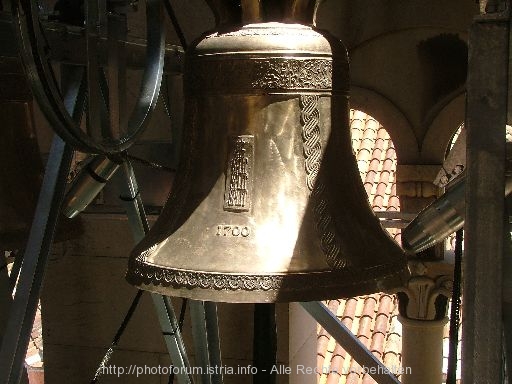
column 372, row 318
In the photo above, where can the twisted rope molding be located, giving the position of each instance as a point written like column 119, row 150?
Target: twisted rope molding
column 324, row 223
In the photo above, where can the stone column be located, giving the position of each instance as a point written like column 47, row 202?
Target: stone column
column 423, row 307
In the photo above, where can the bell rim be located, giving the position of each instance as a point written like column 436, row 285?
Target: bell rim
column 277, row 287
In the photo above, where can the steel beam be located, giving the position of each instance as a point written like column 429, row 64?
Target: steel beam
column 485, row 123
column 172, row 336
column 166, row 316
column 35, row 257
column 349, row 342
column 199, row 334
column 205, row 331
column 19, row 326
column 213, row 337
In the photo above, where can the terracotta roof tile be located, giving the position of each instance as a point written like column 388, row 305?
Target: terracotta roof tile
column 383, row 136
column 386, row 179
column 363, row 155
column 375, row 165
column 371, row 322
column 381, row 188
column 349, row 311
column 388, row 164
column 371, row 177
column 373, row 318
column 378, row 203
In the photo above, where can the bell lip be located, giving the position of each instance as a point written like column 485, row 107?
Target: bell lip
column 305, row 286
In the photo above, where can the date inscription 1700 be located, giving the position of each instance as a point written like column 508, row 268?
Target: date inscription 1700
column 233, row 231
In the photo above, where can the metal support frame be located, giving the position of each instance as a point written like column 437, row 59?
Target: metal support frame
column 165, row 311
column 14, row 345
column 205, row 332
column 350, row 342
column 487, row 92
column 212, row 327
column 204, row 314
column 23, row 310
column 172, row 336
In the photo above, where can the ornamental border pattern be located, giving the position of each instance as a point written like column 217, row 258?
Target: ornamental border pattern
column 144, row 273
column 238, row 75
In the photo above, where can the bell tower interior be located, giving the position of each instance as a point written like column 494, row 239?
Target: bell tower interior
column 123, row 96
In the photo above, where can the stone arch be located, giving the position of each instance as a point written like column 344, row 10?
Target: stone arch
column 388, row 114
column 442, row 128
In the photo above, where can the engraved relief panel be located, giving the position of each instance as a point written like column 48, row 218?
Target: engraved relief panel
column 239, row 175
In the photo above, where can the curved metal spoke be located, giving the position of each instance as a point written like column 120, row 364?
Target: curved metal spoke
column 35, row 50
column 175, row 23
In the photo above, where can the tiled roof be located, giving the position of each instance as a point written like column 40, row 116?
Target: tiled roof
column 372, row 318
column 376, row 159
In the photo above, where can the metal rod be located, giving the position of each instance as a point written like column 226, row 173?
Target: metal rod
column 132, row 201
column 349, row 342
column 205, row 331
column 117, row 337
column 166, row 316
column 212, row 329
column 200, row 336
column 173, row 339
column 175, row 23
column 451, row 374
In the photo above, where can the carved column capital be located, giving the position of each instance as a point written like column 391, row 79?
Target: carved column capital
column 429, row 280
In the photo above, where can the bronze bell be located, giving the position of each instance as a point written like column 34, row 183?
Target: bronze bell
column 268, row 204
